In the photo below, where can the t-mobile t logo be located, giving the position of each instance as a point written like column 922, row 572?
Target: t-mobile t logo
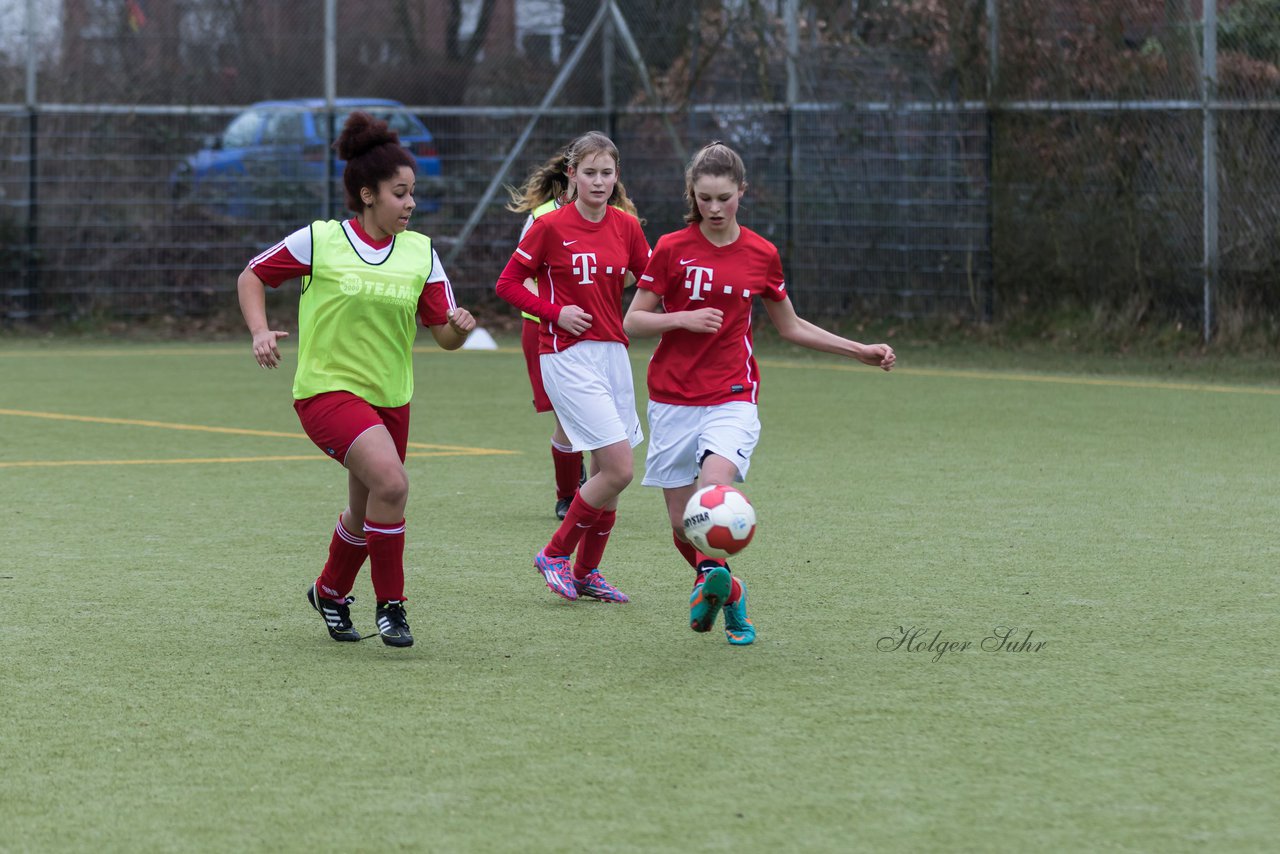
column 698, row 280
column 584, row 264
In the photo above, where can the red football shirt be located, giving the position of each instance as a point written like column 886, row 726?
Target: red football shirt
column 689, row 272
column 583, row 263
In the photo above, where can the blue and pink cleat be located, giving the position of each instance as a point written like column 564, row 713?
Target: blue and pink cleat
column 594, row 586
column 558, row 574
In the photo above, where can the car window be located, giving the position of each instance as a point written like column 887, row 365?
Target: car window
column 402, row 123
column 243, row 130
column 283, row 128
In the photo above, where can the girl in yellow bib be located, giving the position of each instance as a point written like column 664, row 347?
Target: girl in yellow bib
column 365, row 282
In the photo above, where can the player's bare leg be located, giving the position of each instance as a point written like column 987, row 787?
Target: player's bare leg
column 613, row 468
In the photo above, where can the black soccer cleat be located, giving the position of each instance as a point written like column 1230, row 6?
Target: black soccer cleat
column 562, row 507
column 562, row 504
column 393, row 625
column 337, row 615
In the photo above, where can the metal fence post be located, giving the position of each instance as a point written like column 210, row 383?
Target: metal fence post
column 1208, row 93
column 793, row 95
column 993, row 46
column 993, row 90
column 330, row 96
column 30, row 270
column 606, row 74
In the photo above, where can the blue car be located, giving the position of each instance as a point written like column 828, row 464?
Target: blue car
column 270, row 160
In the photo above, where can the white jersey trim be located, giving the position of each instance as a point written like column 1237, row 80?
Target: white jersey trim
column 448, row 289
column 265, row 254
column 551, row 324
column 299, row 245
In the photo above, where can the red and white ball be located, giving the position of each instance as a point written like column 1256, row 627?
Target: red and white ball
column 719, row 520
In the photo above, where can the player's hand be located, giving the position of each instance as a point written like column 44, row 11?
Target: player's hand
column 461, row 321
column 878, row 356
column 705, row 320
column 265, row 350
column 574, row 320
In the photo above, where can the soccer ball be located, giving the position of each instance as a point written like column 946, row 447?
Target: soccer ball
column 719, row 521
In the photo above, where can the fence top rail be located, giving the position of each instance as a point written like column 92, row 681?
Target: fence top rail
column 234, row 109
column 1134, row 105
column 1047, row 106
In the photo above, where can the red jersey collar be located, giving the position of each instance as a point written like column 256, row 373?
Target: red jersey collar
column 696, row 228
column 366, row 239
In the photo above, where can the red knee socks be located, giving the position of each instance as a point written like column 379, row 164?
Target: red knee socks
column 385, row 541
column 591, row 548
column 346, row 555
column 568, row 467
column 581, row 518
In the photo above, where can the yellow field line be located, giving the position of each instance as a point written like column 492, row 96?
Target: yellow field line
column 949, row 373
column 234, row 431
column 140, row 351
column 205, row 460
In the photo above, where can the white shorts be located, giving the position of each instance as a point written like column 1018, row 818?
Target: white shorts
column 593, row 394
column 681, row 436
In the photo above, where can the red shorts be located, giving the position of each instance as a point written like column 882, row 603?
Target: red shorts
column 335, row 419
column 529, row 343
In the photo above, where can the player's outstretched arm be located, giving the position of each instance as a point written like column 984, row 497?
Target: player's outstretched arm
column 645, row 317
column 252, row 293
column 795, row 329
column 451, row 335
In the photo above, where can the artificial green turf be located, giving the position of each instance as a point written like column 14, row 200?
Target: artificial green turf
column 166, row 687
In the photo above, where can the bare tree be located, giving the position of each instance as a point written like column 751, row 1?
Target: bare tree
column 453, row 46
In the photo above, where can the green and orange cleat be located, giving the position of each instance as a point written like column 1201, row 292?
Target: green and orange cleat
column 738, row 627
column 708, row 597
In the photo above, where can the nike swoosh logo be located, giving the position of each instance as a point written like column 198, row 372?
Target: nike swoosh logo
column 580, row 525
column 569, row 242
column 744, row 456
column 684, row 261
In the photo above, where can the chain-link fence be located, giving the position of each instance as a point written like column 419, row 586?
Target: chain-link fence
column 977, row 158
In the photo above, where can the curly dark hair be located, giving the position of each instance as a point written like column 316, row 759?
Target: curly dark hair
column 373, row 153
